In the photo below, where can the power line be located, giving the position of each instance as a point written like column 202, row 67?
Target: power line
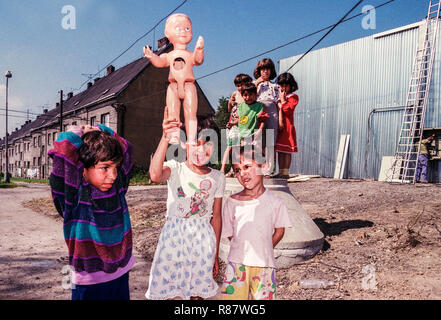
column 290, row 42
column 268, row 51
column 326, row 34
column 136, row 41
column 251, row 58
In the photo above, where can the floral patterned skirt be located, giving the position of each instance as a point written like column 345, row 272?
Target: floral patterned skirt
column 183, row 262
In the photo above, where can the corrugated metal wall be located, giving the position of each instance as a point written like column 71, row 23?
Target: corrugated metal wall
column 339, row 88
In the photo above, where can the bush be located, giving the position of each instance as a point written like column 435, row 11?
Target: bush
column 140, row 176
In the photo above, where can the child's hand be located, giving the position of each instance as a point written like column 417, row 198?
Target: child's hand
column 283, row 97
column 281, row 127
column 147, row 52
column 88, row 128
column 216, row 267
column 169, row 125
column 78, row 130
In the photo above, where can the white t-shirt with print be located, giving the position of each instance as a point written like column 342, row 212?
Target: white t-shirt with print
column 251, row 224
column 191, row 194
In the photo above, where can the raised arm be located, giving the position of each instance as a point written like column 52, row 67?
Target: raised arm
column 198, row 54
column 158, row 61
column 67, row 170
column 158, row 172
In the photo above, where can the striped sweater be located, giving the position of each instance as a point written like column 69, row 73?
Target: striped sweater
column 97, row 227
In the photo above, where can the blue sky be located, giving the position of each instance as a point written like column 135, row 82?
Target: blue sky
column 44, row 57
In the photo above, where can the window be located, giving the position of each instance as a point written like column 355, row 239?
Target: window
column 92, row 121
column 105, row 119
column 39, row 140
column 49, row 136
column 54, row 136
column 35, row 142
column 74, row 123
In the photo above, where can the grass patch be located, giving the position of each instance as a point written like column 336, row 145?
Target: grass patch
column 44, row 181
column 10, row 185
column 140, row 177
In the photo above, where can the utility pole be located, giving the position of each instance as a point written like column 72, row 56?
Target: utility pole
column 7, row 75
column 61, row 111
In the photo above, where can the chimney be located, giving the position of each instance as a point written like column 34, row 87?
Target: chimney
column 44, row 110
column 96, row 79
column 110, row 69
column 162, row 42
column 69, row 95
column 89, row 84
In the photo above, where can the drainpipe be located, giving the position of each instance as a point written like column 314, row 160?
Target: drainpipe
column 376, row 110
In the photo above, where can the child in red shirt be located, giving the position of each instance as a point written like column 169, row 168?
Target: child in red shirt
column 286, row 139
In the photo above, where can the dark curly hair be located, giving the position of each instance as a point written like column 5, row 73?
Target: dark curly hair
column 99, row 146
column 287, row 78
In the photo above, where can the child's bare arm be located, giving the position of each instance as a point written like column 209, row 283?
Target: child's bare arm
column 216, row 223
column 232, row 101
column 278, row 235
column 158, row 172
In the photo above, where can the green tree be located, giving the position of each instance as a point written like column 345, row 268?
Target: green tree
column 222, row 115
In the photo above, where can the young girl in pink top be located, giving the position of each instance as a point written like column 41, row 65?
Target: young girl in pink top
column 254, row 220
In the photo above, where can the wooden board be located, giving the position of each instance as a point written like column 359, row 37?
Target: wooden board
column 386, row 170
column 342, row 154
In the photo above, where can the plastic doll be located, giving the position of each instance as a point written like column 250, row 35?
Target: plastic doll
column 178, row 30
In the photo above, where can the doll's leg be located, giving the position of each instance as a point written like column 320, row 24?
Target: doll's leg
column 190, row 112
column 174, row 109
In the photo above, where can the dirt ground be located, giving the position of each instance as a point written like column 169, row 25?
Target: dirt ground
column 382, row 241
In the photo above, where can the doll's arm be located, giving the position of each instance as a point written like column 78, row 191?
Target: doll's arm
column 198, row 54
column 158, row 61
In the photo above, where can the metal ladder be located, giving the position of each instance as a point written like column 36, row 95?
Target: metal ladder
column 409, row 141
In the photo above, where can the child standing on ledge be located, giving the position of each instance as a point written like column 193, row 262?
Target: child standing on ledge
column 254, row 220
column 286, row 139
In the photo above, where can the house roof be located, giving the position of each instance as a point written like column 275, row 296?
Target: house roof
column 103, row 89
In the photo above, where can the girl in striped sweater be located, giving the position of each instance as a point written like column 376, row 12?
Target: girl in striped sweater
column 89, row 180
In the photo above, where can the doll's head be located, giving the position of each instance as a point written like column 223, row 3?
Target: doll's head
column 178, row 29
column 265, row 68
column 287, row 82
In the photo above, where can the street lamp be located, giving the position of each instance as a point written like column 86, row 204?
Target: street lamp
column 8, row 75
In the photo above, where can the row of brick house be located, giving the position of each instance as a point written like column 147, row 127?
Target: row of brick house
column 129, row 100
